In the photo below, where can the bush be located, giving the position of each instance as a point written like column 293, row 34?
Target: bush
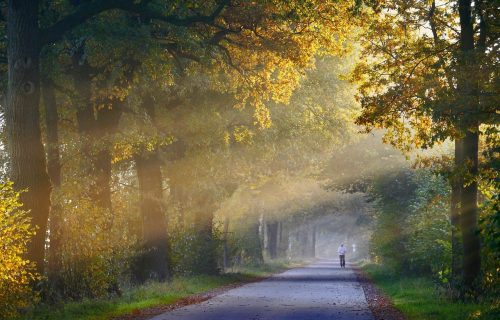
column 17, row 274
column 428, row 226
column 193, row 252
column 95, row 252
column 412, row 231
column 490, row 237
column 393, row 193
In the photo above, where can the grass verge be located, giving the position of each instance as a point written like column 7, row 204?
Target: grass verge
column 419, row 298
column 152, row 295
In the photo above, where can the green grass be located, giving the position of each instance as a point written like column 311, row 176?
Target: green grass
column 419, row 298
column 267, row 269
column 149, row 295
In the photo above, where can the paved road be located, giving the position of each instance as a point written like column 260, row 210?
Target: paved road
column 319, row 291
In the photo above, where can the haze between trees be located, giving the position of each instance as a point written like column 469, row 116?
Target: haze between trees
column 153, row 138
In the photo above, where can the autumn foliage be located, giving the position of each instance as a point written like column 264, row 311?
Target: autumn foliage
column 16, row 273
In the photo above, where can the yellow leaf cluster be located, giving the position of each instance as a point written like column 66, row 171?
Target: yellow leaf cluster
column 16, row 273
column 270, row 45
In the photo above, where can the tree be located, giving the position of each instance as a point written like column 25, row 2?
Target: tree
column 54, row 172
column 287, row 35
column 28, row 168
column 428, row 79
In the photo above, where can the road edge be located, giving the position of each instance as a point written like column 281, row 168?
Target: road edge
column 379, row 303
column 148, row 313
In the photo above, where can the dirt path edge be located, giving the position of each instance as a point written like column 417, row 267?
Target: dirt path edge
column 380, row 305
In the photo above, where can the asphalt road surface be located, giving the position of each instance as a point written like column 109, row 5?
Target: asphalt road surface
column 319, row 291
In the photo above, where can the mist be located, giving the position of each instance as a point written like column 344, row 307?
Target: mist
column 152, row 149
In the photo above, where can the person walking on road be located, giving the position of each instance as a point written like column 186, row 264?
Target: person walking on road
column 341, row 251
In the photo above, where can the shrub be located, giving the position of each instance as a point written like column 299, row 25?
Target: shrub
column 412, row 229
column 17, row 274
column 428, row 226
column 95, row 251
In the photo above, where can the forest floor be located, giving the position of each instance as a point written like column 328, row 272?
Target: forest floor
column 393, row 296
column 148, row 300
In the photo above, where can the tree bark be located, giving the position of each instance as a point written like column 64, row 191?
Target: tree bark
column 259, row 251
column 52, row 127
column 456, row 190
column 154, row 222
column 252, row 245
column 106, row 126
column 469, row 213
column 225, row 258
column 313, row 242
column 206, row 262
column 156, row 262
column 283, row 243
column 305, row 242
column 28, row 169
column 81, row 73
column 272, row 239
column 467, row 89
column 95, row 128
column 54, row 266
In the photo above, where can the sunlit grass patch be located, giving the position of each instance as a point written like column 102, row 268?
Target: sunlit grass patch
column 418, row 298
column 266, row 269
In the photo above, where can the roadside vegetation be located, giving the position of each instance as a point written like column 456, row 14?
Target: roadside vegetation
column 154, row 294
column 421, row 298
column 411, row 250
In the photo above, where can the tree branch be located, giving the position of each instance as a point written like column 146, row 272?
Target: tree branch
column 221, row 34
column 437, row 42
column 90, row 9
column 483, row 27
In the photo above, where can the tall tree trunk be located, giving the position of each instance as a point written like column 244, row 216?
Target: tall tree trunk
column 272, row 239
column 54, row 171
column 95, row 128
column 252, row 246
column 258, row 241
column 313, row 242
column 305, row 244
column 225, row 258
column 469, row 213
column 206, row 262
column 283, row 243
column 467, row 86
column 155, row 262
column 82, row 79
column 154, row 222
column 52, row 127
column 102, row 167
column 456, row 190
column 279, row 244
column 177, row 199
column 105, row 127
column 28, row 169
column 278, row 238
